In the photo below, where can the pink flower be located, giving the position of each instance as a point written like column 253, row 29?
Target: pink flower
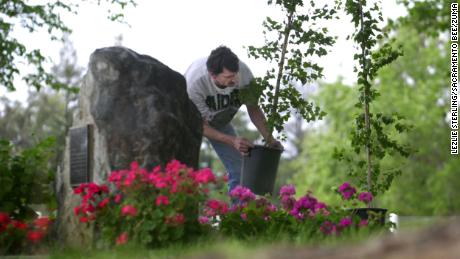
column 203, row 220
column 35, row 236
column 328, row 228
column 320, row 205
column 88, row 208
column 115, row 177
column 242, row 193
column 213, row 204
column 76, row 210
column 180, row 219
column 161, row 199
column 205, row 176
column 129, row 180
column 345, row 222
column 93, row 188
column 174, row 167
column 19, row 224
column 160, row 183
column 104, row 188
column 122, row 238
column 287, row 202
column 117, row 198
column 103, row 203
column 84, row 219
column 347, row 190
column 134, row 165
column 244, row 216
column 344, row 186
column 79, row 189
column 128, row 210
column 304, row 206
column 287, row 190
column 363, row 223
column 365, row 197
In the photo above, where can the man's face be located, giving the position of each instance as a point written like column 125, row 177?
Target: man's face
column 225, row 79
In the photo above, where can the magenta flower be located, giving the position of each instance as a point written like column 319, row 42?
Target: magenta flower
column 328, row 228
column 103, row 203
column 205, row 176
column 304, row 206
column 242, row 193
column 213, row 204
column 320, row 205
column 117, row 198
column 161, row 199
column 122, row 238
column 128, row 210
column 347, row 190
column 344, row 186
column 287, row 190
column 363, row 223
column 345, row 222
column 203, row 220
column 365, row 197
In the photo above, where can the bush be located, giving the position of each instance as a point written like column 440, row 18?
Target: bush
column 24, row 178
column 150, row 208
column 18, row 236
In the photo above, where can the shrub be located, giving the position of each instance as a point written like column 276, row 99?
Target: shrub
column 17, row 236
column 150, row 208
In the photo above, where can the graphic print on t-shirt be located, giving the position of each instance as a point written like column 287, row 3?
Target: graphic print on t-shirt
column 222, row 101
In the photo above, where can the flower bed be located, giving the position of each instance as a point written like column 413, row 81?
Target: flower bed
column 161, row 207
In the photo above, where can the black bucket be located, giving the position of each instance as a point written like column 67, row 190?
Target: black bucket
column 259, row 169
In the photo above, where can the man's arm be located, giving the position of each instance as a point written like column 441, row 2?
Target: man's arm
column 258, row 119
column 239, row 143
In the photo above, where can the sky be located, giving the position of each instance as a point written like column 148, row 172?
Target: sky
column 176, row 32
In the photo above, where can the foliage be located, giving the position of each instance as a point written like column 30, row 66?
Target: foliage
column 24, row 178
column 43, row 117
column 17, row 236
column 430, row 17
column 423, row 92
column 34, row 17
column 290, row 46
column 416, row 87
column 371, row 136
column 47, row 113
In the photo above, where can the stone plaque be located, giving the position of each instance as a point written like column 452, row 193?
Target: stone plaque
column 80, row 155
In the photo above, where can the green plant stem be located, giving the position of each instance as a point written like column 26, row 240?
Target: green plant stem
column 281, row 65
column 366, row 104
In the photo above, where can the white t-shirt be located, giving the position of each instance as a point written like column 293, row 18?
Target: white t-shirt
column 217, row 106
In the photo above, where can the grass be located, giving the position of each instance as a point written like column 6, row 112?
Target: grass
column 215, row 247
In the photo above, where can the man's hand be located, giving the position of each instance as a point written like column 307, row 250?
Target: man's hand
column 242, row 145
column 273, row 143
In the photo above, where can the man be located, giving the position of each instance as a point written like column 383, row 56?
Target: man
column 213, row 84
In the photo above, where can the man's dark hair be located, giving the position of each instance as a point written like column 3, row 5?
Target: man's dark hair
column 222, row 57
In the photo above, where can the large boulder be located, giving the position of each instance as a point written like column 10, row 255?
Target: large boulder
column 139, row 110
